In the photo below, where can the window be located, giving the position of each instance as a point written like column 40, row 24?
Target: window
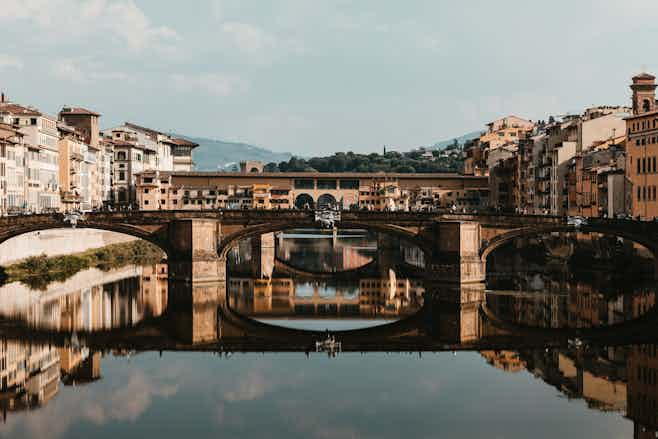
column 349, row 184
column 326, row 184
column 639, row 193
column 638, row 166
column 121, row 155
column 644, row 165
column 162, row 191
column 146, row 202
column 174, row 202
column 122, row 175
column 304, row 184
column 148, row 180
column 33, row 121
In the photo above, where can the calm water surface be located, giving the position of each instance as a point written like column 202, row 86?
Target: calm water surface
column 126, row 353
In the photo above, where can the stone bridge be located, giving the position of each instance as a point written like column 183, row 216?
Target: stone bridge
column 456, row 246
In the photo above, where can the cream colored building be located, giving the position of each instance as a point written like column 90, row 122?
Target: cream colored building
column 41, row 161
column 12, row 169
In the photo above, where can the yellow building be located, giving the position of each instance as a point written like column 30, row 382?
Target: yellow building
column 505, row 131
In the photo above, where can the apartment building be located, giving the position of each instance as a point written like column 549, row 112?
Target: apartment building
column 72, row 150
column 505, row 131
column 597, row 183
column 12, row 169
column 136, row 149
column 41, row 159
column 96, row 160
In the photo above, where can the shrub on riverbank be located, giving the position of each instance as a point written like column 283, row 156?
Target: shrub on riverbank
column 39, row 271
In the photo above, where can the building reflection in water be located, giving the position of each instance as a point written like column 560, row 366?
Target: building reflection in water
column 315, row 251
column 386, row 298
column 31, row 374
column 541, row 300
column 91, row 300
column 609, row 379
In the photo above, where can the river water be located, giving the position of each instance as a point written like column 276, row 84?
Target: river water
column 560, row 342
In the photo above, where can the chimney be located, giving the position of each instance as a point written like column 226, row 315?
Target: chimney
column 2, row 97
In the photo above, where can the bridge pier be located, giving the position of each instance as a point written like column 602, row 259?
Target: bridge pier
column 193, row 256
column 456, row 311
column 193, row 310
column 455, row 254
column 262, row 255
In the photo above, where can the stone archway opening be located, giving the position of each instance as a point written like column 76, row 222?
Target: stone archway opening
column 326, row 201
column 304, row 201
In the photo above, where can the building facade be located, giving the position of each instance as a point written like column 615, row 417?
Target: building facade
column 41, row 158
column 199, row 191
column 642, row 146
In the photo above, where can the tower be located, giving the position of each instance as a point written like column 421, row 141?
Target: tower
column 644, row 93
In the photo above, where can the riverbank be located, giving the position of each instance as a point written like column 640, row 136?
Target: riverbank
column 57, row 242
column 39, row 271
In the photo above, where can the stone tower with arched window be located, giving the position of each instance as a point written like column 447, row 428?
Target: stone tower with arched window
column 644, row 93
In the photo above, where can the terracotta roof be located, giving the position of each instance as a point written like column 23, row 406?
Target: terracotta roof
column 78, row 111
column 141, row 128
column 19, row 110
column 181, row 142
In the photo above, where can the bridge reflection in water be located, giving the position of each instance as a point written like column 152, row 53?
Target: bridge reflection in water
column 599, row 347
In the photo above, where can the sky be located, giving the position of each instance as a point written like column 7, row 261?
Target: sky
column 315, row 77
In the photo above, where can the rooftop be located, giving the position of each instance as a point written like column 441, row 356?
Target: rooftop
column 78, row 111
column 19, row 110
column 180, row 142
column 644, row 75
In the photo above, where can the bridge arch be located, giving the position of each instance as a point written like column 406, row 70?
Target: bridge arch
column 304, row 201
column 230, row 240
column 526, row 232
column 125, row 229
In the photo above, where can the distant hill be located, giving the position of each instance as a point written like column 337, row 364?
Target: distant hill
column 461, row 139
column 213, row 155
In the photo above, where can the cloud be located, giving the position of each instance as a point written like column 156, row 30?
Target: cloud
column 123, row 401
column 10, row 62
column 248, row 37
column 215, row 84
column 78, row 70
column 122, row 20
column 253, row 386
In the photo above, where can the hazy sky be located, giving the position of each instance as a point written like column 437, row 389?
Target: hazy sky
column 320, row 76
